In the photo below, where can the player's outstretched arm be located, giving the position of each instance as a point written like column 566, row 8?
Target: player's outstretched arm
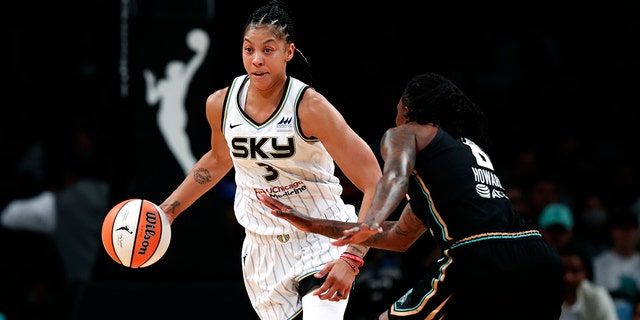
column 328, row 228
column 392, row 235
column 357, row 232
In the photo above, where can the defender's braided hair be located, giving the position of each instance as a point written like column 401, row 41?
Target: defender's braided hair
column 431, row 98
column 275, row 14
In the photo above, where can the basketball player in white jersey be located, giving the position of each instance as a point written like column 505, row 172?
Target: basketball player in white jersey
column 282, row 138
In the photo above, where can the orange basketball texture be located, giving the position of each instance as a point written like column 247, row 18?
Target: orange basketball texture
column 136, row 233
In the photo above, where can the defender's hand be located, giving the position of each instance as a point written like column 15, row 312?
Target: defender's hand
column 286, row 212
column 357, row 234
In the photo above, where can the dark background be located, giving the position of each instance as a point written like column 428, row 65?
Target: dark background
column 545, row 73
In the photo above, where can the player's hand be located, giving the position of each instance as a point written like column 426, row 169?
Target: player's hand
column 358, row 234
column 286, row 212
column 339, row 281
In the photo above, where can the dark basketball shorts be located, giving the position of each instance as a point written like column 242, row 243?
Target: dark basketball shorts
column 493, row 276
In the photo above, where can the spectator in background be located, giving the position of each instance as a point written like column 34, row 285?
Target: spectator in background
column 525, row 170
column 556, row 225
column 618, row 268
column 591, row 223
column 583, row 300
column 636, row 309
column 520, row 202
column 544, row 192
column 66, row 217
column 635, row 210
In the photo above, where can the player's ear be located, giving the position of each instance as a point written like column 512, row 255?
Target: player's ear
column 291, row 48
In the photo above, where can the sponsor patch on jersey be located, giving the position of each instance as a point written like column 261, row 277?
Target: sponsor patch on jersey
column 283, row 238
column 282, row 191
column 285, row 123
column 483, row 190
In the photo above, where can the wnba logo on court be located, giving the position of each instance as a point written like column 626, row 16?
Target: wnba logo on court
column 283, row 238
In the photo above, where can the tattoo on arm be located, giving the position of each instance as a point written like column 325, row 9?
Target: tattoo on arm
column 358, row 249
column 409, row 226
column 170, row 208
column 404, row 226
column 202, row 175
column 373, row 240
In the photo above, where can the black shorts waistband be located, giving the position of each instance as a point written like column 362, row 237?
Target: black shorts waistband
column 495, row 235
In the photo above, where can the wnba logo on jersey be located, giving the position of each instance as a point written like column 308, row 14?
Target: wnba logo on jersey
column 284, row 123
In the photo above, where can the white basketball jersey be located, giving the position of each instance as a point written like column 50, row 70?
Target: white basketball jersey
column 274, row 157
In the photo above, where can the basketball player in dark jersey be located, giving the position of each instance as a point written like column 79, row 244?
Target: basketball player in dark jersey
column 493, row 263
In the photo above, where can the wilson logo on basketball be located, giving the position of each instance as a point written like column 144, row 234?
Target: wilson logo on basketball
column 149, row 231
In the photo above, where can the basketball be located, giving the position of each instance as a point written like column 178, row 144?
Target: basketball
column 136, row 233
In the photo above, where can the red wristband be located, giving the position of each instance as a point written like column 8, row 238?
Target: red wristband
column 351, row 264
column 353, row 257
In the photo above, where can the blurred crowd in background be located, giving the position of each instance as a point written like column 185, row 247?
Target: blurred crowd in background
column 559, row 87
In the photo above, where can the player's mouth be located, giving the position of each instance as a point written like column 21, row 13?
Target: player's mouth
column 259, row 74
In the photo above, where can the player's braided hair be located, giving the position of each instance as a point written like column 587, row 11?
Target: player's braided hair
column 275, row 14
column 431, row 98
